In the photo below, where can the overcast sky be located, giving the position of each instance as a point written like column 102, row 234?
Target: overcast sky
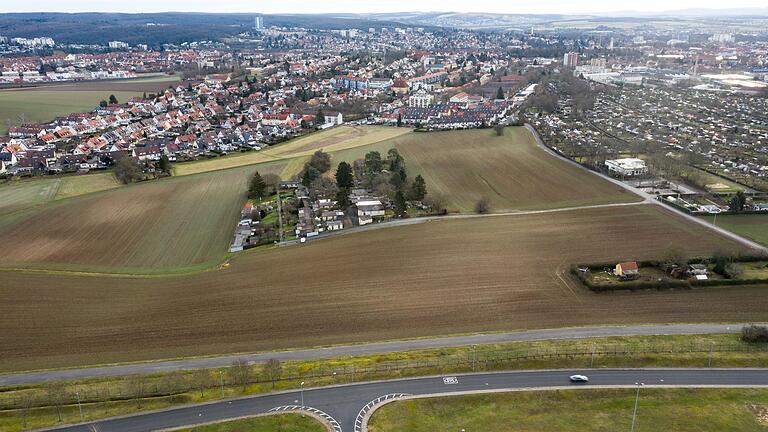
column 264, row 6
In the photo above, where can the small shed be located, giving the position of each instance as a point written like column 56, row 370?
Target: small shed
column 627, row 269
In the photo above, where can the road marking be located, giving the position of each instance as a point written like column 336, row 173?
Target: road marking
column 450, row 380
column 332, row 421
column 361, row 415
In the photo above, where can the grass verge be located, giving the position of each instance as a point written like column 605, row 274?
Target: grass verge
column 292, row 422
column 44, row 405
column 679, row 410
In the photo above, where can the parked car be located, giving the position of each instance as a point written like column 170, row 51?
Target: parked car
column 579, row 378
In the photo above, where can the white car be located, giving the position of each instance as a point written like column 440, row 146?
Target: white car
column 579, row 378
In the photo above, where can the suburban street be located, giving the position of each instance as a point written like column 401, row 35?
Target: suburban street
column 345, row 404
column 365, row 349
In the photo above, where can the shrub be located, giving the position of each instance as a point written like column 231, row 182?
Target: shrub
column 733, row 270
column 482, row 206
column 754, row 334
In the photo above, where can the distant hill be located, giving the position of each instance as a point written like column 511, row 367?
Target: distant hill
column 158, row 28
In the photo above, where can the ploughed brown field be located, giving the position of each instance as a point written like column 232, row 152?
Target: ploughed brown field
column 168, row 226
column 435, row 278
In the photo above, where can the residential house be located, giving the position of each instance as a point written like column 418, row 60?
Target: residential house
column 627, row 269
column 367, row 210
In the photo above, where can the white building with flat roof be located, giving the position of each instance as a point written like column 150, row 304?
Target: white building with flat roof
column 627, row 167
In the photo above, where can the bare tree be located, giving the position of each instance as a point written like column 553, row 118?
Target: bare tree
column 437, row 203
column 173, row 382
column 105, row 396
column 483, row 206
column 137, row 387
column 240, row 373
column 202, row 379
column 273, row 369
column 272, row 181
column 57, row 394
column 26, row 400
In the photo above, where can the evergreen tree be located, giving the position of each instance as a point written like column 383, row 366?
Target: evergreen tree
column 310, row 174
column 500, row 93
column 165, row 164
column 257, row 188
column 418, row 189
column 738, row 202
column 399, row 120
column 400, row 205
column 373, row 163
column 344, row 178
column 112, row 100
column 319, row 118
column 394, row 160
column 399, row 179
column 342, row 198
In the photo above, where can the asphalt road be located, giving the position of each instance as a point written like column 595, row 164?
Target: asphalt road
column 364, row 349
column 344, row 403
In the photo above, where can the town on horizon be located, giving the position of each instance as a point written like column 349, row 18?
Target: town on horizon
column 385, row 221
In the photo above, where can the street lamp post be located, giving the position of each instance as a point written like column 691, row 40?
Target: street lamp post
column 79, row 405
column 634, row 411
column 302, row 394
column 221, row 382
column 474, row 356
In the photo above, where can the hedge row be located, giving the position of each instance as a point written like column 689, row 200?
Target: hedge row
column 664, row 283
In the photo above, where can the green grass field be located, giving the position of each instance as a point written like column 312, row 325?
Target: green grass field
column 330, row 140
column 510, row 171
column 292, row 422
column 22, row 194
column 678, row 410
column 752, row 226
column 44, row 105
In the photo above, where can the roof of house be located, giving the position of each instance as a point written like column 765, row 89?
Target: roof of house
column 630, row 265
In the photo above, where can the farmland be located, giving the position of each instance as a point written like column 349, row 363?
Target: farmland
column 175, row 223
column 680, row 410
column 752, row 226
column 45, row 105
column 510, row 171
column 41, row 104
column 330, row 140
column 443, row 277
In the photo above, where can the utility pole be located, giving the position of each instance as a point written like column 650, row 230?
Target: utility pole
column 474, row 356
column 592, row 360
column 280, row 213
column 221, row 381
column 711, row 347
column 634, row 411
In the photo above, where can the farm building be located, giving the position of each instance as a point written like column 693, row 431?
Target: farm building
column 627, row 167
column 627, row 269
